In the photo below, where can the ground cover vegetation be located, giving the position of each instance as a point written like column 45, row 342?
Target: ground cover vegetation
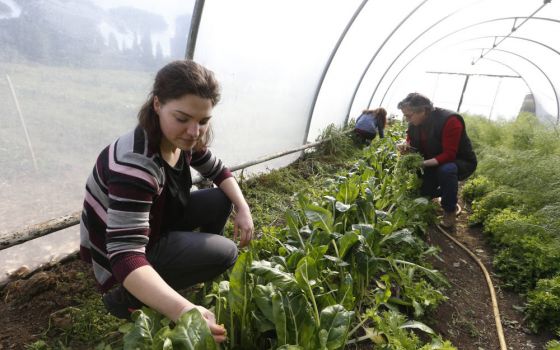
column 515, row 196
column 339, row 260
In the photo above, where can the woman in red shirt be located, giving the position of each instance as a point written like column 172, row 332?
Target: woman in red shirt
column 440, row 136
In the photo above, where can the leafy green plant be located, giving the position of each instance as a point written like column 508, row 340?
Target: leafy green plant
column 476, row 188
column 527, row 259
column 151, row 331
column 543, row 305
column 501, row 198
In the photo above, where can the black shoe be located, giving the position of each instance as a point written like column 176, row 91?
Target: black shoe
column 120, row 303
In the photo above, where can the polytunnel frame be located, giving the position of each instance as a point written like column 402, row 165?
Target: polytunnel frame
column 545, row 2
column 448, row 35
column 513, row 70
column 536, row 66
column 375, row 56
column 328, row 65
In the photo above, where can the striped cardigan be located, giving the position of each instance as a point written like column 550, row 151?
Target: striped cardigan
column 123, row 205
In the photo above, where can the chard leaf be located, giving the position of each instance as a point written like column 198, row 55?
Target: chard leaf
column 280, row 279
column 404, row 235
column 345, row 292
column 347, row 242
column 418, row 325
column 192, row 333
column 335, row 321
column 263, row 298
column 306, row 273
column 319, row 217
column 349, row 191
column 140, row 336
column 341, row 207
column 279, row 315
column 239, row 288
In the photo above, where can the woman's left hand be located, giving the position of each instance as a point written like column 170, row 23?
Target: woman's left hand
column 243, row 226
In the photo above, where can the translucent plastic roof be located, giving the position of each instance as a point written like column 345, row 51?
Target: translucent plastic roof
column 75, row 72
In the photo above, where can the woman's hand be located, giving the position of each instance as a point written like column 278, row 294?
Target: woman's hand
column 404, row 148
column 218, row 332
column 243, row 226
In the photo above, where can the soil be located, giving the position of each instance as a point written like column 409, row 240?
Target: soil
column 29, row 305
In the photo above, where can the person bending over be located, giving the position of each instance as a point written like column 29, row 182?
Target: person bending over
column 370, row 123
column 440, row 136
column 143, row 230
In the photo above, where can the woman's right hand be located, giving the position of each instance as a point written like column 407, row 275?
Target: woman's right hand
column 404, row 148
column 218, row 332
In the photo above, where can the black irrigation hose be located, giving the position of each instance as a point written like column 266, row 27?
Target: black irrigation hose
column 495, row 308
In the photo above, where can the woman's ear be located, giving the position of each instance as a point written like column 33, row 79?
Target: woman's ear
column 157, row 104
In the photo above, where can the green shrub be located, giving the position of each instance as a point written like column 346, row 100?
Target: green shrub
column 476, row 188
column 508, row 223
column 526, row 259
column 550, row 218
column 553, row 345
column 543, row 305
column 501, row 198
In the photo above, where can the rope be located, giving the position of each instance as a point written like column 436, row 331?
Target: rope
column 495, row 308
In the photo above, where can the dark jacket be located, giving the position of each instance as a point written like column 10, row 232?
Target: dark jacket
column 466, row 158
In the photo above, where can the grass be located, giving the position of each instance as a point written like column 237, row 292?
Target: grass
column 69, row 113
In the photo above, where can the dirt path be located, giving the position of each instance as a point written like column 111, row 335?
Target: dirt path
column 467, row 318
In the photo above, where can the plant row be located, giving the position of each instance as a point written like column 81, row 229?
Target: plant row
column 345, row 264
column 516, row 197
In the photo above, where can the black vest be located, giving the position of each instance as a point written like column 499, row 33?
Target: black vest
column 433, row 126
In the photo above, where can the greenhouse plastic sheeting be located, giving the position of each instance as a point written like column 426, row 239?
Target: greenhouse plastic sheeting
column 78, row 70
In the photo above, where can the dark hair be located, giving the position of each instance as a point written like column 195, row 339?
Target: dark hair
column 173, row 81
column 416, row 102
column 379, row 113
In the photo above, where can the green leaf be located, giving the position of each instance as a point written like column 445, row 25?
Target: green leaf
column 341, row 207
column 306, row 273
column 279, row 316
column 335, row 320
column 345, row 292
column 319, row 217
column 280, row 279
column 239, row 284
column 290, row 347
column 262, row 295
column 418, row 325
column 347, row 242
column 404, row 235
column 349, row 190
column 140, row 336
column 192, row 333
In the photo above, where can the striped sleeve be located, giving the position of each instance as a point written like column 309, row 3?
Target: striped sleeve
column 131, row 189
column 209, row 166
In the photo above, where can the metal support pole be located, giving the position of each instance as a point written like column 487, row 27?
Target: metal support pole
column 328, row 65
column 494, row 100
column 193, row 31
column 463, row 92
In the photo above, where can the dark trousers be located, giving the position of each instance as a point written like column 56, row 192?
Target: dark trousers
column 441, row 181
column 184, row 258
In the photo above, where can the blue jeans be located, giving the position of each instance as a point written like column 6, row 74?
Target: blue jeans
column 441, row 181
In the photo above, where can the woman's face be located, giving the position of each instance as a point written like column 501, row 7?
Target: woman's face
column 183, row 121
column 415, row 118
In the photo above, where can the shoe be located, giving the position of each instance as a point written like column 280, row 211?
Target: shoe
column 449, row 219
column 120, row 303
